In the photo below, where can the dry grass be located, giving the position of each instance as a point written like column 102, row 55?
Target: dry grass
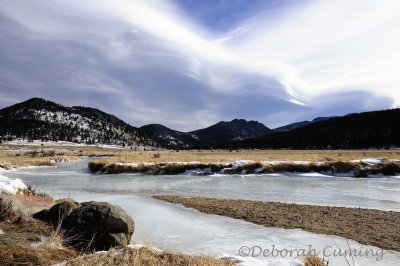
column 357, row 169
column 14, row 220
column 7, row 212
column 314, row 261
column 21, row 231
column 13, row 156
column 10, row 160
column 14, row 254
column 218, row 156
column 145, row 257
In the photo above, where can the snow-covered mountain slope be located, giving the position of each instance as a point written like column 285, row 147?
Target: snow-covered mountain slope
column 38, row 119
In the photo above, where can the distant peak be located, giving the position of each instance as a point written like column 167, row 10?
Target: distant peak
column 36, row 99
column 154, row 126
column 239, row 120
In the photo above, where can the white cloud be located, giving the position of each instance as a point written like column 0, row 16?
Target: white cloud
column 333, row 46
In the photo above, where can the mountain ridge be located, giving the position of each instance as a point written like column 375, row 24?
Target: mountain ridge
column 38, row 118
column 375, row 129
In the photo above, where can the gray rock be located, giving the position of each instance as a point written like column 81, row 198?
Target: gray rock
column 57, row 213
column 98, row 226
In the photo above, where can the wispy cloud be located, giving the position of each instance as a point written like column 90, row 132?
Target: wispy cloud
column 150, row 61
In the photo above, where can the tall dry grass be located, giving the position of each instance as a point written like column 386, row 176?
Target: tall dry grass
column 315, row 261
column 145, row 256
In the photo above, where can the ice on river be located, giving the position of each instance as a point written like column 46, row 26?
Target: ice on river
column 175, row 228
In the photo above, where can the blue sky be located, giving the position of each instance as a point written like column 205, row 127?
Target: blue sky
column 188, row 64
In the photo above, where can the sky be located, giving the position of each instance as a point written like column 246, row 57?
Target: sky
column 188, row 64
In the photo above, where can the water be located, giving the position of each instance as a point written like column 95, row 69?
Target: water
column 174, row 228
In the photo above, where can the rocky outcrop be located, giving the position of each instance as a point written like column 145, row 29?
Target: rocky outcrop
column 91, row 225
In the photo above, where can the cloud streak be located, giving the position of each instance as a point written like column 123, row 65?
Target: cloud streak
column 150, row 62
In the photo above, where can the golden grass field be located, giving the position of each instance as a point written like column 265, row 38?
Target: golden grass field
column 220, row 156
column 15, row 156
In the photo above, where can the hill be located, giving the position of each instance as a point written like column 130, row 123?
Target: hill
column 237, row 129
column 170, row 138
column 39, row 119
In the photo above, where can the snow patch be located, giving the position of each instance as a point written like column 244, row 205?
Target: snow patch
column 370, row 161
column 11, row 186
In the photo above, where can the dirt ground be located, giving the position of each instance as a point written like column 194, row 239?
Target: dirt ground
column 367, row 226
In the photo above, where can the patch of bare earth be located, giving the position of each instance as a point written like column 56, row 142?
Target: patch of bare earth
column 367, row 226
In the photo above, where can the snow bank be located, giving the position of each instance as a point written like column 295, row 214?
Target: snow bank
column 2, row 170
column 370, row 161
column 11, row 186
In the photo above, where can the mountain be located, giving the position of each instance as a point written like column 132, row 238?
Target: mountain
column 301, row 124
column 221, row 132
column 170, row 138
column 236, row 129
column 39, row 119
column 379, row 129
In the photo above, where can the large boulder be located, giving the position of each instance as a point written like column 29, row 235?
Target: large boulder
column 57, row 213
column 98, row 226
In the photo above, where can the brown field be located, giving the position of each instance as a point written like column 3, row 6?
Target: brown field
column 8, row 155
column 220, row 156
column 16, row 156
column 367, row 226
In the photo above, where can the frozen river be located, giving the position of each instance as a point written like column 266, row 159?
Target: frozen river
column 174, row 228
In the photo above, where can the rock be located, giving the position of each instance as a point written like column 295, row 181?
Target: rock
column 98, row 226
column 57, row 212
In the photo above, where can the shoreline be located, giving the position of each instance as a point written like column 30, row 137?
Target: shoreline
column 357, row 169
column 366, row 226
column 25, row 240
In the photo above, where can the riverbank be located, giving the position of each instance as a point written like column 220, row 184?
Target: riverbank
column 226, row 156
column 367, row 226
column 27, row 241
column 356, row 168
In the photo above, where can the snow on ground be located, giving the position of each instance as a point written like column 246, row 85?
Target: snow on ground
column 2, row 170
column 66, row 143
column 11, row 186
column 370, row 161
